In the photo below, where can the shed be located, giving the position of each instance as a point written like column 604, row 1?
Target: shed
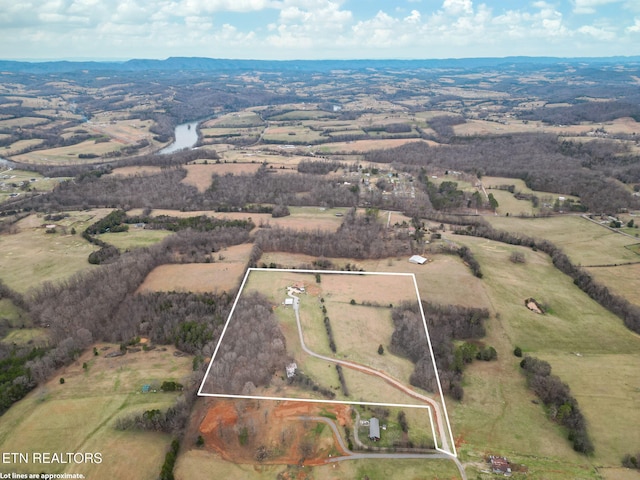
column 418, row 259
column 374, row 429
column 288, row 301
column 146, row 388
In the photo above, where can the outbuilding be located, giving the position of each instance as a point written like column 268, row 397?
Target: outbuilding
column 418, row 260
column 374, row 429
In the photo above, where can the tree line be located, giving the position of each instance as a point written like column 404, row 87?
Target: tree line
column 619, row 306
column 446, row 323
column 556, row 396
column 359, row 237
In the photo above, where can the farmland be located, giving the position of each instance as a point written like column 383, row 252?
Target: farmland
column 363, row 166
column 79, row 415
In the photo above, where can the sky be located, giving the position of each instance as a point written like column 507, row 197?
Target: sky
column 316, row 29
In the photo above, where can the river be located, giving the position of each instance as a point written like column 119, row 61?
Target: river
column 186, row 137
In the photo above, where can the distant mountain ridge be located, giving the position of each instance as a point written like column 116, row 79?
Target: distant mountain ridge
column 222, row 65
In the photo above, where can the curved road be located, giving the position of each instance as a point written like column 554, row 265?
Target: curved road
column 392, row 381
column 358, row 456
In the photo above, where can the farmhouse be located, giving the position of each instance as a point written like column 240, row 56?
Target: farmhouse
column 374, row 429
column 418, row 260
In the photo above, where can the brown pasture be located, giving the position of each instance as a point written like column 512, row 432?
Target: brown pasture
column 380, row 289
column 224, row 275
column 199, row 175
column 131, row 171
column 301, row 218
column 368, row 145
column 445, row 279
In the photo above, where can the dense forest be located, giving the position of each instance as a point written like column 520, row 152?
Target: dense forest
column 252, row 350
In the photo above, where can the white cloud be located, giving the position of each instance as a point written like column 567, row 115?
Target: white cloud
column 312, row 28
column 458, row 7
column 414, row 17
column 635, row 28
column 590, row 6
column 597, row 33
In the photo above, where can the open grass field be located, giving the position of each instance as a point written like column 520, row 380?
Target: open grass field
column 301, row 115
column 21, row 330
column 32, row 256
column 508, row 204
column 291, row 134
column 22, row 122
column 123, row 131
column 309, row 218
column 242, row 119
column 583, row 241
column 223, row 275
column 133, row 170
column 358, row 331
column 607, row 388
column 199, row 175
column 197, row 464
column 79, row 415
column 134, row 238
column 301, row 218
column 70, row 154
column 272, row 155
column 20, row 145
column 574, row 328
column 623, row 280
column 362, row 146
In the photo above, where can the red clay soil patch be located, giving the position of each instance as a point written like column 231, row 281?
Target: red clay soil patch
column 270, row 432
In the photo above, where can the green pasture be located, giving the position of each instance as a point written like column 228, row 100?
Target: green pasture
column 198, row 464
column 70, row 154
column 585, row 242
column 359, row 330
column 607, row 388
column 302, row 115
column 622, row 280
column 221, row 132
column 79, row 415
column 134, row 238
column 21, row 329
column 497, row 408
column 237, row 120
column 291, row 134
column 347, row 131
column 32, row 256
column 508, row 204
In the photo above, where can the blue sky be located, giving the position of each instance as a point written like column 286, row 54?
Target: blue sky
column 316, row 29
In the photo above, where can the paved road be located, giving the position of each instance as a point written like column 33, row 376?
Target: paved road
column 437, row 412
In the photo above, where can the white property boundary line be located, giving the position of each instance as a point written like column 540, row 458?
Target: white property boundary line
column 340, row 402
